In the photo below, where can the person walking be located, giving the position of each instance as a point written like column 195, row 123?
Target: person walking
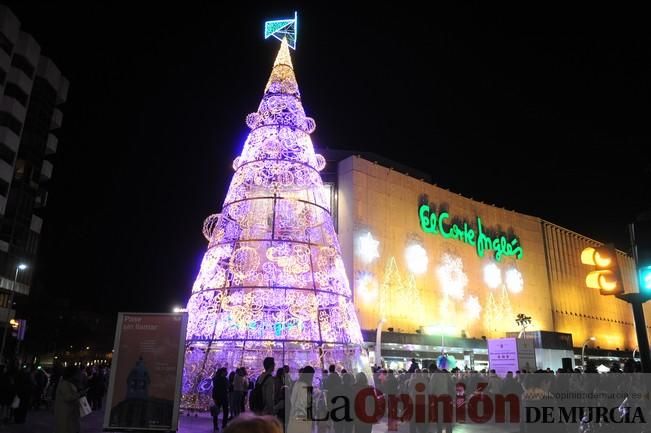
column 220, row 397
column 66, row 402
column 7, row 393
column 25, row 391
column 240, row 388
column 280, row 397
column 347, row 386
column 301, row 416
column 362, row 386
column 96, row 389
column 264, row 389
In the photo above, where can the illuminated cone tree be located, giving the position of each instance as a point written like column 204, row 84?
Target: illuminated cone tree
column 272, row 282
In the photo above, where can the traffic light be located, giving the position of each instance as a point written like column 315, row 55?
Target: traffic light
column 645, row 280
column 642, row 236
column 606, row 276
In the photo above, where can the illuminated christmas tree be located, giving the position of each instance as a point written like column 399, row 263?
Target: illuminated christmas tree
column 492, row 316
column 412, row 296
column 272, row 282
column 391, row 283
column 399, row 298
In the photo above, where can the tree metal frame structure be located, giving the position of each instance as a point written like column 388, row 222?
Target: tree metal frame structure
column 272, row 282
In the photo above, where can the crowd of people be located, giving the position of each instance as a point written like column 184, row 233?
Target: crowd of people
column 306, row 400
column 297, row 404
column 25, row 388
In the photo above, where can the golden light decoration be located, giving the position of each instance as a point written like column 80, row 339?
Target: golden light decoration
column 367, row 247
column 492, row 275
column 367, row 287
column 513, row 280
column 451, row 276
column 472, row 307
column 416, row 258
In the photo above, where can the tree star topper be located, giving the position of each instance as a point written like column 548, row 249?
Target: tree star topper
column 279, row 29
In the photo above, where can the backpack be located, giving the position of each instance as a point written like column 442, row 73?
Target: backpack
column 256, row 400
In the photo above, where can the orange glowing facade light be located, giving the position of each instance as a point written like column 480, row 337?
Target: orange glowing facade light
column 606, row 276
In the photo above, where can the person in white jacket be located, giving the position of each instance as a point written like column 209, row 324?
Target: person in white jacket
column 300, row 418
column 66, row 403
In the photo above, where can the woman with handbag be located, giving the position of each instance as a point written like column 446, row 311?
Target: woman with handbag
column 66, row 402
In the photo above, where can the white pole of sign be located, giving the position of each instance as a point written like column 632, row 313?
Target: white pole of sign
column 114, row 364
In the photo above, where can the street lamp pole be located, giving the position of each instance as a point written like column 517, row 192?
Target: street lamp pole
column 20, row 267
column 378, row 343
column 583, row 363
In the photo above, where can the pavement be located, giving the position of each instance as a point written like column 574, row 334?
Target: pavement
column 42, row 421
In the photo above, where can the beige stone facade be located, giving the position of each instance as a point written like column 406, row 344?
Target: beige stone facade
column 457, row 291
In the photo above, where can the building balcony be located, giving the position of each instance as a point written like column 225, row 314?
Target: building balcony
column 8, row 285
column 11, row 106
column 46, row 171
column 27, row 47
column 6, row 171
column 9, row 138
column 57, row 118
column 49, row 72
column 36, row 224
column 62, row 93
column 5, row 61
column 9, row 24
column 51, row 145
column 20, row 79
column 40, row 200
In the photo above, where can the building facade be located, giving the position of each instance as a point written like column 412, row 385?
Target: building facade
column 31, row 90
column 441, row 272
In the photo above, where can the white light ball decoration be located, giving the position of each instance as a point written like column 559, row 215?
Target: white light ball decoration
column 320, row 162
column 472, row 307
column 451, row 276
column 416, row 258
column 492, row 275
column 244, row 262
column 368, row 248
column 514, row 280
column 367, row 287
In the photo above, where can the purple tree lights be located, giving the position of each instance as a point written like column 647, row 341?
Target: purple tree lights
column 272, row 282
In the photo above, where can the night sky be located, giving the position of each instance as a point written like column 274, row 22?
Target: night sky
column 542, row 111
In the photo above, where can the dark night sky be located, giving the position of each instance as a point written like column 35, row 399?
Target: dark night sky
column 527, row 109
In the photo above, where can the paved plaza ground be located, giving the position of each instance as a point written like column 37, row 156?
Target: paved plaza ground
column 42, row 421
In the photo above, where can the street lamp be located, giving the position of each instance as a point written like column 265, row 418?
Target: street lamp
column 378, row 343
column 583, row 363
column 20, row 267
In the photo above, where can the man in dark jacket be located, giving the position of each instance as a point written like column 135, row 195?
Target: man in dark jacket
column 265, row 380
column 220, row 397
